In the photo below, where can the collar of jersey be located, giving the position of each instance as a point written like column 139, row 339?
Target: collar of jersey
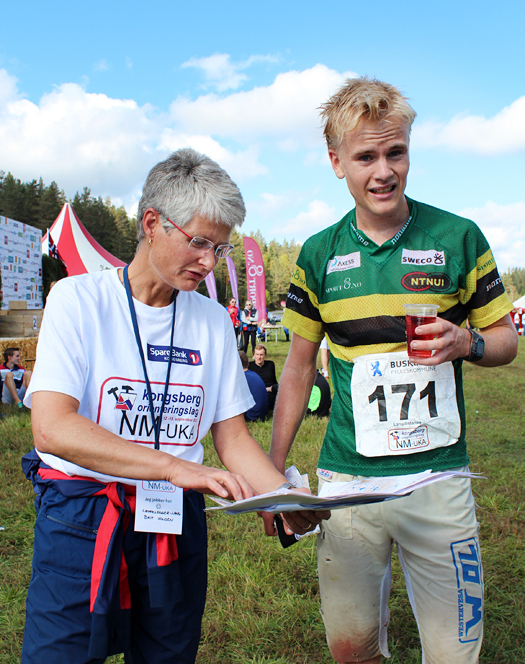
column 382, row 252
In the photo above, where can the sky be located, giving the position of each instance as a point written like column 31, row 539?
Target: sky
column 93, row 95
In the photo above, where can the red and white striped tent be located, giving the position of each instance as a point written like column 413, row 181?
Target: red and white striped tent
column 80, row 252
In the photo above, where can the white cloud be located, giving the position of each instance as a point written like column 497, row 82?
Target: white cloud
column 503, row 133
column 223, row 74
column 107, row 144
column 317, row 158
column 318, row 216
column 85, row 139
column 8, row 89
column 504, row 228
column 77, row 138
column 272, row 205
column 239, row 165
column 101, row 65
column 285, row 110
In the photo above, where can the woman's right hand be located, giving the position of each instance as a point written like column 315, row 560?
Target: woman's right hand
column 206, row 479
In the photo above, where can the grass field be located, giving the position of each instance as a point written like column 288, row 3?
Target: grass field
column 263, row 604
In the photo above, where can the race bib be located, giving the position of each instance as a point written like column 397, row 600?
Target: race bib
column 401, row 407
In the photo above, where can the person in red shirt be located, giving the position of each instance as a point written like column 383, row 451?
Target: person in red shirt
column 233, row 310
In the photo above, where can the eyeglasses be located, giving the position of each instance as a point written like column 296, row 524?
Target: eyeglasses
column 201, row 244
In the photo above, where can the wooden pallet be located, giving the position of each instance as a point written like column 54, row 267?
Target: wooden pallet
column 19, row 321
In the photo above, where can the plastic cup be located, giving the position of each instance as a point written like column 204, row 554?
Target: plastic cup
column 419, row 314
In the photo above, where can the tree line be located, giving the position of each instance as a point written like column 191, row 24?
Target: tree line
column 514, row 282
column 38, row 205
column 279, row 260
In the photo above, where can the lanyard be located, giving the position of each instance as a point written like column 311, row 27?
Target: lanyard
column 156, row 423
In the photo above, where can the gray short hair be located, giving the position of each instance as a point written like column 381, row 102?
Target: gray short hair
column 188, row 183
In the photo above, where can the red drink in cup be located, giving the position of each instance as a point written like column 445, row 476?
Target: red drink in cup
column 416, row 315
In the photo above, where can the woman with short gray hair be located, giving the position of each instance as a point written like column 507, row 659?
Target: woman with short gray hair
column 151, row 366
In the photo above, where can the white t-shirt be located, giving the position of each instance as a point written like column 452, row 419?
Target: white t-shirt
column 87, row 350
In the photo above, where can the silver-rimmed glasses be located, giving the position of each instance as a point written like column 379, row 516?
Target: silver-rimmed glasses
column 202, row 244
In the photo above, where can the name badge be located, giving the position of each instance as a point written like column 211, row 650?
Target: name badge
column 401, row 407
column 159, row 508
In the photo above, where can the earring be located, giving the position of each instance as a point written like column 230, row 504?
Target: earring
column 149, row 242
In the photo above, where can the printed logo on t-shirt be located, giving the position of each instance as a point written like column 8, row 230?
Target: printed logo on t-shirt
column 341, row 263
column 495, row 282
column 430, row 257
column 126, row 398
column 178, row 355
column 346, row 285
column 297, row 277
column 128, row 401
column 327, row 474
column 421, row 281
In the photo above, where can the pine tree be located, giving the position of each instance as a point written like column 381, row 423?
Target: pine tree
column 38, row 205
column 50, row 201
column 11, row 198
column 97, row 219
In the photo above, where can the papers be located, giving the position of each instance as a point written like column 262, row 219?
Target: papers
column 336, row 495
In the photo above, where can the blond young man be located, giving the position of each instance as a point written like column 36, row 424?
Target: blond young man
column 350, row 283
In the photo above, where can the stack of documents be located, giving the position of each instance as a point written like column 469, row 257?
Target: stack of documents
column 336, row 495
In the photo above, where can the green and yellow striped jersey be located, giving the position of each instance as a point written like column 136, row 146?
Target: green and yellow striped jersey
column 347, row 287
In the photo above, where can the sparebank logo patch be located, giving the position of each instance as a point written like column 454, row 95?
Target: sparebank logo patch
column 178, row 355
column 421, row 281
column 342, row 263
column 430, row 257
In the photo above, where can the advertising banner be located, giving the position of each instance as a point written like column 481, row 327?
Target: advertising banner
column 255, row 277
column 211, row 286
column 21, row 263
column 233, row 277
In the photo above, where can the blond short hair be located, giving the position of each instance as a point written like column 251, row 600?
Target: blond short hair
column 362, row 98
